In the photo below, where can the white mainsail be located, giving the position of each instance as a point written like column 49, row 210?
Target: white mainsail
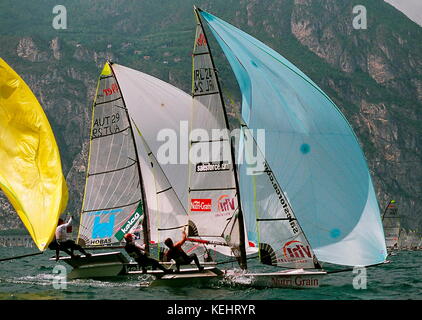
column 391, row 224
column 113, row 200
column 215, row 211
column 128, row 150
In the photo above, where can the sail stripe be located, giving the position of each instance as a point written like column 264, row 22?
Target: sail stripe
column 105, row 102
column 204, row 94
column 169, row 188
column 119, row 169
column 117, row 207
column 213, row 189
column 207, row 141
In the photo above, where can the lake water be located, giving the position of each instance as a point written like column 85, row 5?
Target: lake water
column 32, row 278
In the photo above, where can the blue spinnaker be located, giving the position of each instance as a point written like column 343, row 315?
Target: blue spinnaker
column 311, row 149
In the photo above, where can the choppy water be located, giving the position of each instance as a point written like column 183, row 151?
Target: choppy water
column 32, row 278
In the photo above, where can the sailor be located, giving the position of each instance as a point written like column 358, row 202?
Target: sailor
column 176, row 253
column 138, row 253
column 61, row 243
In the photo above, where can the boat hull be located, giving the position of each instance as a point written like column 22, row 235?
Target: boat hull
column 284, row 279
column 112, row 264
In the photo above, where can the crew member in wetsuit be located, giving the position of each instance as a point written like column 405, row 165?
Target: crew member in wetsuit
column 138, row 253
column 61, row 243
column 176, row 253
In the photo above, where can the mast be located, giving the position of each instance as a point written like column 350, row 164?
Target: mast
column 243, row 261
column 145, row 220
column 386, row 208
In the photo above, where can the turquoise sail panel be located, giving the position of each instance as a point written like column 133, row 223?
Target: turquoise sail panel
column 311, row 149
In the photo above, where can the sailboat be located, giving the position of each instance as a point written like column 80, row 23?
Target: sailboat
column 127, row 188
column 391, row 224
column 31, row 174
column 314, row 199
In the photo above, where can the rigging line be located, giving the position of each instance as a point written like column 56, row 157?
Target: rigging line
column 22, row 256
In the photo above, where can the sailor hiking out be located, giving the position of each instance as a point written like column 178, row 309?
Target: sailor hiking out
column 176, row 253
column 61, row 243
column 138, row 253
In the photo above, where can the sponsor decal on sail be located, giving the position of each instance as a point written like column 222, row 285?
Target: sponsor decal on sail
column 281, row 198
column 200, row 204
column 226, row 205
column 296, row 251
column 201, row 41
column 212, row 166
column 114, row 88
column 129, row 223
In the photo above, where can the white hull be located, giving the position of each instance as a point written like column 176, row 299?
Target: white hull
column 295, row 278
column 112, row 264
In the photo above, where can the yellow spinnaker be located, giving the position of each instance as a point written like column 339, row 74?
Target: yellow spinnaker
column 30, row 169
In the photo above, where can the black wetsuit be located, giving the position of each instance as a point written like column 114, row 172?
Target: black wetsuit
column 180, row 257
column 67, row 246
column 141, row 258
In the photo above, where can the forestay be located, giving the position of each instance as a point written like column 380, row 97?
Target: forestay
column 314, row 153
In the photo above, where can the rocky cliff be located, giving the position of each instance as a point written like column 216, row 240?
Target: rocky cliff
column 374, row 75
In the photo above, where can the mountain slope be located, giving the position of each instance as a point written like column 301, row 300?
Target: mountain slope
column 373, row 75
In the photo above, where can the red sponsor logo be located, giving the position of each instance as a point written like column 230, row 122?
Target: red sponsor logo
column 296, row 249
column 201, row 41
column 200, row 205
column 251, row 244
column 226, row 204
column 113, row 89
